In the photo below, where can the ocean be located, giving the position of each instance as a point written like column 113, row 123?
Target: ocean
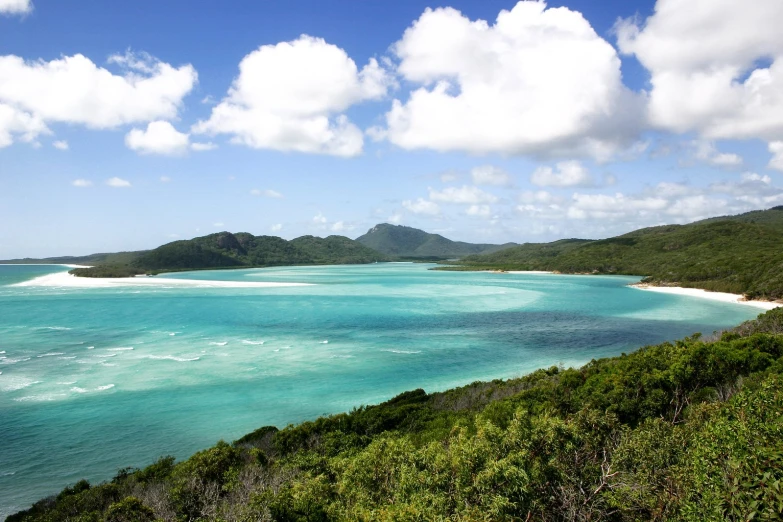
column 94, row 379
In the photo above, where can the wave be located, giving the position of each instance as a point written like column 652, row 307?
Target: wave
column 121, row 349
column 76, row 389
column 67, row 383
column 2, row 351
column 173, row 358
column 106, row 355
column 18, row 384
column 324, row 342
column 105, row 387
column 7, row 473
column 68, row 357
column 90, row 347
column 40, row 398
column 342, row 356
column 51, row 328
column 245, row 341
column 51, row 354
column 222, row 343
column 402, row 351
column 14, row 361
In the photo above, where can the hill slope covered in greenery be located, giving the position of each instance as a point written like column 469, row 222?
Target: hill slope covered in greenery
column 227, row 250
column 690, row 430
column 738, row 254
column 408, row 242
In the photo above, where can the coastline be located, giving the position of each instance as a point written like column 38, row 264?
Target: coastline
column 704, row 294
column 66, row 280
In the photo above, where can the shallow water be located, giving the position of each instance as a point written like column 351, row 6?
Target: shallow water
column 94, row 380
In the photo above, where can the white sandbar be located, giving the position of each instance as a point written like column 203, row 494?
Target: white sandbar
column 527, row 272
column 64, row 279
column 715, row 296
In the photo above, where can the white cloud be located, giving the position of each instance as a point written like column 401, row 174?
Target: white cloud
column 704, row 150
column 708, row 64
column 479, row 210
column 81, row 183
column 19, row 125
column 568, row 174
column 394, row 218
column 218, row 224
column 267, row 193
column 449, row 176
column 341, row 226
column 160, row 137
column 16, row 7
column 118, row 183
column 276, row 227
column 490, row 175
column 201, row 147
column 776, row 149
column 291, row 96
column 466, row 194
column 421, row 206
column 60, row 145
column 165, row 179
column 319, row 219
column 539, row 81
column 74, row 90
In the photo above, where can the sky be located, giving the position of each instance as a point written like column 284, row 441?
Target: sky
column 126, row 125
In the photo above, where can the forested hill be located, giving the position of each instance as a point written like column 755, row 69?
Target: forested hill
column 227, row 250
column 691, row 430
column 408, row 242
column 739, row 254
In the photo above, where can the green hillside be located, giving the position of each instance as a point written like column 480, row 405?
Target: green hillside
column 408, row 242
column 691, row 430
column 227, row 250
column 738, row 254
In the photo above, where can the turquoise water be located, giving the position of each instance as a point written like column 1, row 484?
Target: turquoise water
column 95, row 379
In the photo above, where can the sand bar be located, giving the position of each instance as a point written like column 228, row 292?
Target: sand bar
column 64, row 279
column 715, row 296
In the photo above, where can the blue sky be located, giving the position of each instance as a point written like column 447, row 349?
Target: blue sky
column 125, row 126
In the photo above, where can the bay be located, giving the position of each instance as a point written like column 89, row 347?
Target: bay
column 96, row 379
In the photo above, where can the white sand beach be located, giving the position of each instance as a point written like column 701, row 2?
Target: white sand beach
column 527, row 272
column 64, row 279
column 715, row 296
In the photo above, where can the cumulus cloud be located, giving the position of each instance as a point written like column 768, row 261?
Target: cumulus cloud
column 267, row 193
column 118, row 182
column 204, row 146
column 74, row 90
column 319, row 219
column 705, row 151
column 81, row 183
column 716, row 66
column 466, row 194
column 290, row 97
column 566, row 174
column 60, row 145
column 421, row 206
column 539, row 81
column 160, row 137
column 776, row 149
column 15, row 7
column 482, row 211
column 341, row 226
column 19, row 125
column 490, row 175
column 276, row 227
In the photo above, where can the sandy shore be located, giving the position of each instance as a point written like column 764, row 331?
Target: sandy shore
column 715, row 296
column 527, row 272
column 64, row 279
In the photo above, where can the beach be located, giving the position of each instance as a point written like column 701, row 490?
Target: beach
column 715, row 296
column 66, row 280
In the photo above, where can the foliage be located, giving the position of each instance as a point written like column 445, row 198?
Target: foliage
column 690, row 430
column 736, row 254
column 411, row 243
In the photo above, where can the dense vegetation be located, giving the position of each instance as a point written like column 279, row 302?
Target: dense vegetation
column 226, row 250
column 411, row 243
column 690, row 430
column 737, row 254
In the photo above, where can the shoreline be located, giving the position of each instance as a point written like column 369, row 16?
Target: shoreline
column 66, row 280
column 705, row 294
